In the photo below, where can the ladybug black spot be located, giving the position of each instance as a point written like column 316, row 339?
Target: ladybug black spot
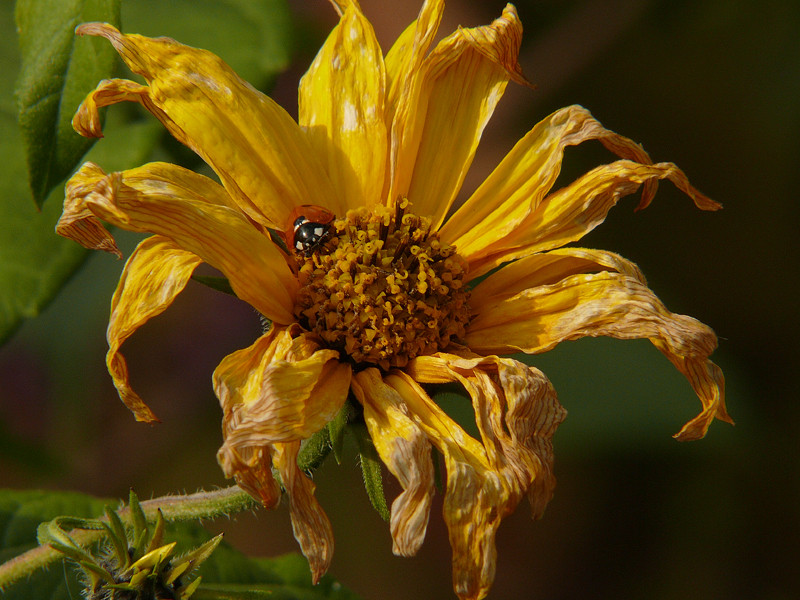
column 308, row 234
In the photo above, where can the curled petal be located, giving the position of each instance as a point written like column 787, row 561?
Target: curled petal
column 516, row 188
column 310, row 524
column 86, row 120
column 405, row 450
column 250, row 466
column 441, row 115
column 189, row 209
column 476, row 497
column 341, row 108
column 282, row 388
column 154, row 275
column 77, row 222
column 571, row 212
column 508, row 201
column 273, row 394
column 261, row 155
column 604, row 304
column 517, row 413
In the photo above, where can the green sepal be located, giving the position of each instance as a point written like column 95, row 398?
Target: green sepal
column 152, row 561
column 314, row 451
column 69, row 551
column 139, row 522
column 188, row 591
column 221, row 284
column 116, row 533
column 176, row 572
column 95, row 572
column 195, row 558
column 370, row 469
column 51, row 533
column 337, row 427
column 158, row 533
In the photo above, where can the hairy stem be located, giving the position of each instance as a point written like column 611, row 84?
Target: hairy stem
column 201, row 505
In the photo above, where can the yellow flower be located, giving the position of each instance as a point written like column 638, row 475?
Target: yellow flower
column 376, row 294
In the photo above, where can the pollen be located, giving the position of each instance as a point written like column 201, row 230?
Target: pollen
column 382, row 288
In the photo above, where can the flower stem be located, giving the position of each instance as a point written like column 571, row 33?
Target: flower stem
column 200, row 505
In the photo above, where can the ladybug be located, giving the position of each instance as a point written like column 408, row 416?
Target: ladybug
column 307, row 227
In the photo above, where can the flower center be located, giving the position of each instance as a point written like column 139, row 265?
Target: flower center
column 382, row 288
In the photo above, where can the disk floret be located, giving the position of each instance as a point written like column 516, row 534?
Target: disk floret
column 383, row 288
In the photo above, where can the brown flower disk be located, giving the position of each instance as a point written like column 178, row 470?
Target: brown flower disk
column 383, row 288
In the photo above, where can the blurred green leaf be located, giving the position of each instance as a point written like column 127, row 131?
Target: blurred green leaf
column 252, row 36
column 58, row 70
column 230, row 574
column 34, row 261
column 226, row 574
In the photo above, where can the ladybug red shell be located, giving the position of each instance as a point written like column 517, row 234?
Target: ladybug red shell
column 307, row 227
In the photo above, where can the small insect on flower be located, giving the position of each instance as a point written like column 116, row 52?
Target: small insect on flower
column 308, row 226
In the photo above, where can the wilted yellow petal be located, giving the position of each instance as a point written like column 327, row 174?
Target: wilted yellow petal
column 514, row 190
column 341, row 108
column 86, row 120
column 604, row 304
column 156, row 272
column 545, row 269
column 283, row 388
column 407, row 53
column 516, row 410
column 76, row 221
column 403, row 61
column 517, row 413
column 251, row 466
column 406, row 452
column 440, row 118
column 571, row 212
column 172, row 201
column 261, row 155
column 310, row 524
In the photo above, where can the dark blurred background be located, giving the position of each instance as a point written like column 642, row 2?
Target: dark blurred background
column 712, row 85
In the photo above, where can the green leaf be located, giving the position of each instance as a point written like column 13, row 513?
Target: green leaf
column 229, row 574
column 370, row 469
column 34, row 261
column 252, row 36
column 58, row 70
